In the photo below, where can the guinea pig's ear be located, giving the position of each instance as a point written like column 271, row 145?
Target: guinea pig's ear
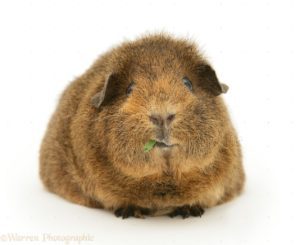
column 209, row 81
column 99, row 98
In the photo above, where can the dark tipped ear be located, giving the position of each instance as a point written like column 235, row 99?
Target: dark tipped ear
column 106, row 92
column 98, row 98
column 209, row 81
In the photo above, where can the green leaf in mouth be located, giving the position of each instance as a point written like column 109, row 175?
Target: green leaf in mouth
column 149, row 145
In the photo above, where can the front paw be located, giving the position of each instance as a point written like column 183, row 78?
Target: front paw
column 132, row 211
column 187, row 211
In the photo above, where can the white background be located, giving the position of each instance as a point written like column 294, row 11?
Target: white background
column 254, row 47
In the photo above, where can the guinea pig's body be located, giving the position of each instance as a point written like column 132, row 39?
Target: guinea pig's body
column 156, row 88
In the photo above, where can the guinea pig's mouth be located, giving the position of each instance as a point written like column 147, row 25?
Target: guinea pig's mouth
column 161, row 144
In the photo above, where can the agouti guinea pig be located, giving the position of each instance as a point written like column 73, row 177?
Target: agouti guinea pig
column 157, row 92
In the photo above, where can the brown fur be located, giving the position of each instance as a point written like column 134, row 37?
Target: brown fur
column 94, row 156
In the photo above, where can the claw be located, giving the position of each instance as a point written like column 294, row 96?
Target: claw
column 131, row 211
column 187, row 211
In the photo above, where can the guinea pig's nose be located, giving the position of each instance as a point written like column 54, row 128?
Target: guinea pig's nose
column 160, row 120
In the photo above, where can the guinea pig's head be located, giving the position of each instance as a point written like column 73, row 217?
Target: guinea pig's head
column 159, row 89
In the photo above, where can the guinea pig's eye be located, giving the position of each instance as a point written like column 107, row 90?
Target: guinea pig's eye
column 129, row 88
column 187, row 83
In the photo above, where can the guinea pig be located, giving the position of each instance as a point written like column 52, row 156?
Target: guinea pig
column 144, row 132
